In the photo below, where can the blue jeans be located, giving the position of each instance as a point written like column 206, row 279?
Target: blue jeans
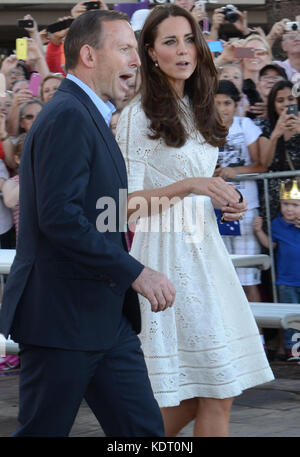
column 289, row 294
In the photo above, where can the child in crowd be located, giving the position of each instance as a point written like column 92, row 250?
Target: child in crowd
column 114, row 121
column 240, row 155
column 286, row 240
column 233, row 72
column 10, row 188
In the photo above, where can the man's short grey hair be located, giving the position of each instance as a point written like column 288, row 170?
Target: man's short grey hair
column 86, row 29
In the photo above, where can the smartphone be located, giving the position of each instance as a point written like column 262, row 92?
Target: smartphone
column 21, row 48
column 92, row 5
column 215, row 46
column 34, row 84
column 244, row 53
column 25, row 23
column 292, row 109
column 60, row 25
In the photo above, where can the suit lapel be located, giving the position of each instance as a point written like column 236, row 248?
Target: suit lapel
column 104, row 130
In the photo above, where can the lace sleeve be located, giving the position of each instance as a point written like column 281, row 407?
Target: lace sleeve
column 132, row 136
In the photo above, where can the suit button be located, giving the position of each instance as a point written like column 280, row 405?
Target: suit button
column 112, row 284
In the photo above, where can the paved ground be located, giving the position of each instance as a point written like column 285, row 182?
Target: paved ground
column 266, row 411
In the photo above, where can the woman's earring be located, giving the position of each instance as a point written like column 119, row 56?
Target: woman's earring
column 156, row 64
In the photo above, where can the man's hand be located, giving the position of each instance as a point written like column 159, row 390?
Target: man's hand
column 277, row 31
column 80, row 8
column 58, row 37
column 156, row 287
column 260, row 109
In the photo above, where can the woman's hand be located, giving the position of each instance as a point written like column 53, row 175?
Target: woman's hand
column 260, row 109
column 23, row 96
column 226, row 172
column 293, row 123
column 218, row 19
column 222, row 193
column 280, row 126
column 235, row 212
column 241, row 24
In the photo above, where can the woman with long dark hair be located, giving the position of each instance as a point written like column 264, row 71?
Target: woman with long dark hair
column 281, row 139
column 206, row 349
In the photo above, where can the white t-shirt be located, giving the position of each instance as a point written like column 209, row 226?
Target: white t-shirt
column 235, row 153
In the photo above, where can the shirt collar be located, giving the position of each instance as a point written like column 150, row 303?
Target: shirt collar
column 106, row 109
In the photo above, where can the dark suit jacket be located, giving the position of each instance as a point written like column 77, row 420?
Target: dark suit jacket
column 69, row 283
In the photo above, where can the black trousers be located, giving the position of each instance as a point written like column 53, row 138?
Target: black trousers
column 114, row 383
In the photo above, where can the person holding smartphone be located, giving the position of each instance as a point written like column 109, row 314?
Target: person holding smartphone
column 280, row 140
column 82, row 7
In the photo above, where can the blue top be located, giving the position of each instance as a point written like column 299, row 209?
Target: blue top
column 106, row 109
column 287, row 237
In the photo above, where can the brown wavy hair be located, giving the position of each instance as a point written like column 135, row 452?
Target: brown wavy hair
column 160, row 101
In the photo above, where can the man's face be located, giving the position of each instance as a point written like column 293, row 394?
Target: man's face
column 291, row 42
column 267, row 81
column 115, row 61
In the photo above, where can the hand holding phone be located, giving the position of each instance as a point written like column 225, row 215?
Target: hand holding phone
column 26, row 23
column 215, row 46
column 21, row 48
column 34, row 84
column 92, row 5
column 292, row 109
column 60, row 25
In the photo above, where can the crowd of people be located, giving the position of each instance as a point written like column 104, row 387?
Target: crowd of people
column 256, row 129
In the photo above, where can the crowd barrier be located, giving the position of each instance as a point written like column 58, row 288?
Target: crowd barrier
column 273, row 315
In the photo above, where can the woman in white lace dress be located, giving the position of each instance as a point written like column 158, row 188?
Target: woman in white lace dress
column 206, row 349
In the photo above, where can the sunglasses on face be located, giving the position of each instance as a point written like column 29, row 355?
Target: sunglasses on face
column 260, row 52
column 274, row 79
column 28, row 117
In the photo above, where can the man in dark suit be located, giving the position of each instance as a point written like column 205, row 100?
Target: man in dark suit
column 70, row 299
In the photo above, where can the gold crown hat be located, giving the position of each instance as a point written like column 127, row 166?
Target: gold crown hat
column 293, row 193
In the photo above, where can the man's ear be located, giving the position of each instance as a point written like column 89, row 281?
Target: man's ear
column 87, row 56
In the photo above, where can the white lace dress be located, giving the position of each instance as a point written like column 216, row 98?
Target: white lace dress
column 207, row 344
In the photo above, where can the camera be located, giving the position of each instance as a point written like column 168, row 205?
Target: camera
column 292, row 26
column 229, row 13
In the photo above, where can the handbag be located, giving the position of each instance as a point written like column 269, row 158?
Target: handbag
column 227, row 228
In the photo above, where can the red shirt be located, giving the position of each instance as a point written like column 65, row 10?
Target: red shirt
column 2, row 154
column 54, row 57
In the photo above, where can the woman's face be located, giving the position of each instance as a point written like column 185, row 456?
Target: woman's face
column 260, row 59
column 226, row 108
column 284, row 98
column 5, row 105
column 30, row 113
column 49, row 88
column 233, row 74
column 175, row 51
